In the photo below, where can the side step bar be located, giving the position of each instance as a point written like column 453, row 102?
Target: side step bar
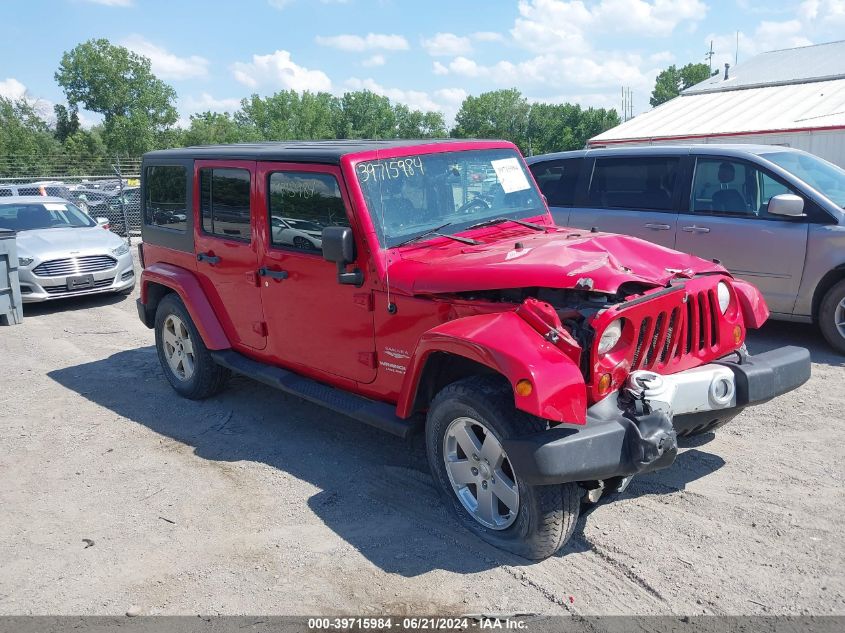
column 378, row 414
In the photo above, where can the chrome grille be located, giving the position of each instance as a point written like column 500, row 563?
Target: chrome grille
column 670, row 335
column 62, row 290
column 74, row 266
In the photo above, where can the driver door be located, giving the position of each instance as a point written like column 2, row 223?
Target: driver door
column 312, row 320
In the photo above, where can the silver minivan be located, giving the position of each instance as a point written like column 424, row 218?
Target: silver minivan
column 772, row 215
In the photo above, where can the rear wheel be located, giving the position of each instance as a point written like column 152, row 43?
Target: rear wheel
column 186, row 362
column 466, row 425
column 832, row 317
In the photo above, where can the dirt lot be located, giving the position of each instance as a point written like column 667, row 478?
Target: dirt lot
column 255, row 502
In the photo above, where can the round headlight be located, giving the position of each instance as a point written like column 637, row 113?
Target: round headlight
column 610, row 337
column 724, row 295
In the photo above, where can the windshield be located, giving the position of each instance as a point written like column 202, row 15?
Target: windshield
column 411, row 195
column 826, row 178
column 46, row 215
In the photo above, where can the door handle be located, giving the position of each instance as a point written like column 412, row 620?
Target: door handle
column 273, row 274
column 695, row 229
column 209, row 259
column 658, row 227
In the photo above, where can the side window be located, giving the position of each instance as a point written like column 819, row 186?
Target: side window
column 5, row 193
column 557, row 180
column 633, row 183
column 301, row 205
column 224, row 202
column 165, row 200
column 732, row 187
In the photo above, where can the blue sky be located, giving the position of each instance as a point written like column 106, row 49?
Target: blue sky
column 426, row 53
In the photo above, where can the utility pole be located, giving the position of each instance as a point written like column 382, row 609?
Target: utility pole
column 709, row 57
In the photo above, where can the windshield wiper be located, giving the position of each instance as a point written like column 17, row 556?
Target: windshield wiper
column 436, row 231
column 493, row 221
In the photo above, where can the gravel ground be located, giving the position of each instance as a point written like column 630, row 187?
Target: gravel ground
column 117, row 494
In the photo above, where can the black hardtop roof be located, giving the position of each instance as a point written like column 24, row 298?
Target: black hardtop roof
column 295, row 151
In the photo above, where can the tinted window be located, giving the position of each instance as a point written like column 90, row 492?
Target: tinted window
column 29, row 191
column 633, row 183
column 166, row 200
column 557, row 180
column 301, row 206
column 224, row 202
column 5, row 193
column 731, row 187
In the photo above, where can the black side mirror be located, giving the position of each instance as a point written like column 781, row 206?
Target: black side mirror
column 339, row 247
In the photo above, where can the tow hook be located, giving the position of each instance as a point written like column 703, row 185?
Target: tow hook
column 652, row 442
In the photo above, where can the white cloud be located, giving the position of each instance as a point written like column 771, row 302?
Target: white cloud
column 277, row 70
column 440, row 69
column 165, row 64
column 487, row 36
column 112, row 3
column 767, row 36
column 283, row 4
column 447, row 45
column 563, row 25
column 357, row 43
column 12, row 89
column 825, row 14
column 414, row 99
column 375, row 60
column 205, row 102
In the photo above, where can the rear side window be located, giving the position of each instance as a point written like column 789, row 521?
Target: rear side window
column 165, row 202
column 633, row 183
column 301, row 205
column 224, row 202
column 557, row 180
column 29, row 191
column 5, row 193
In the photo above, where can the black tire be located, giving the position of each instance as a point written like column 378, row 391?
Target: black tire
column 547, row 515
column 208, row 378
column 303, row 243
column 828, row 315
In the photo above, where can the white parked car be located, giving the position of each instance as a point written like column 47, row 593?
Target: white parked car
column 299, row 233
column 62, row 252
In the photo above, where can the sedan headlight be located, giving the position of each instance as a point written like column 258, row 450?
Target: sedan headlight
column 25, row 261
column 120, row 250
column 610, row 337
column 724, row 294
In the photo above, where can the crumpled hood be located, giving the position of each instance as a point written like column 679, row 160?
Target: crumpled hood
column 558, row 259
column 60, row 242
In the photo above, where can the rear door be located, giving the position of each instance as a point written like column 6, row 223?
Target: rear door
column 632, row 195
column 727, row 219
column 227, row 248
column 558, row 181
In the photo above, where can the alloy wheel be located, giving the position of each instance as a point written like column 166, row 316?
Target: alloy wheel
column 480, row 473
column 178, row 347
column 839, row 318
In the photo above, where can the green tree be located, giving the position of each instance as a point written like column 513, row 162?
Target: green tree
column 289, row 115
column 138, row 108
column 673, row 80
column 213, row 128
column 26, row 142
column 418, row 124
column 366, row 115
column 498, row 114
column 67, row 121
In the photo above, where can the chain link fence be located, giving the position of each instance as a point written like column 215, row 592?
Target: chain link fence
column 103, row 188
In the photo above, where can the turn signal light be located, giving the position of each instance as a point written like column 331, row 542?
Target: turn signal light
column 604, row 384
column 524, row 387
column 737, row 335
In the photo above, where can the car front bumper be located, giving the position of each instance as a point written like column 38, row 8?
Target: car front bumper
column 635, row 430
column 118, row 278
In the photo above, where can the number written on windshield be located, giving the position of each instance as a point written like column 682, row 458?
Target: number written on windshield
column 390, row 169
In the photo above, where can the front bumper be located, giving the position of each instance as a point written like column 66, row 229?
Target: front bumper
column 118, row 278
column 630, row 433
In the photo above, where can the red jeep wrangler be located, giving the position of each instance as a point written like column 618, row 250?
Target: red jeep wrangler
column 422, row 284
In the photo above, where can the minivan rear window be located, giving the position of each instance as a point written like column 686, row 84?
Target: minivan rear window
column 633, row 183
column 557, row 180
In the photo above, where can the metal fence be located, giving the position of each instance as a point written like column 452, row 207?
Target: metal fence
column 102, row 188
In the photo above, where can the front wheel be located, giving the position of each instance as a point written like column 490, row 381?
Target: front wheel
column 186, row 362
column 466, row 425
column 832, row 317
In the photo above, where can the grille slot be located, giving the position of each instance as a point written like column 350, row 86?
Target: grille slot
column 62, row 290
column 75, row 266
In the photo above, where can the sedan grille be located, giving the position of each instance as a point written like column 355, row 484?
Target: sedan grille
column 74, row 266
column 62, row 290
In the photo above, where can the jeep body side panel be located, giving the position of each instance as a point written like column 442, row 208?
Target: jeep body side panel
column 187, row 286
column 508, row 345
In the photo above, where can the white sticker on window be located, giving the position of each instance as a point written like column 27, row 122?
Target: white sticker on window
column 510, row 174
column 54, row 206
